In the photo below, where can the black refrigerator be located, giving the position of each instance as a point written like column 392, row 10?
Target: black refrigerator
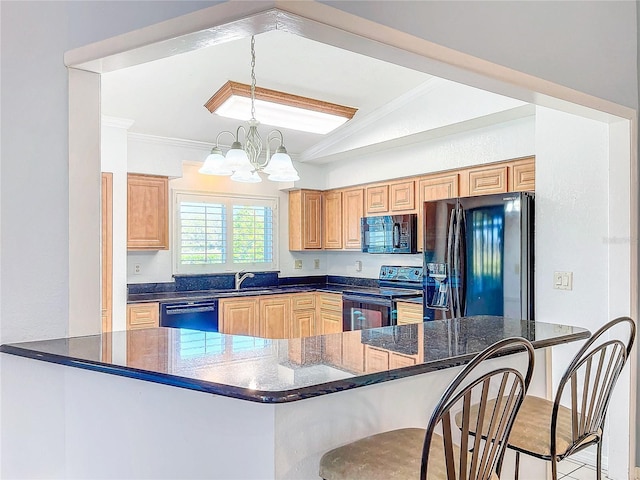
column 478, row 256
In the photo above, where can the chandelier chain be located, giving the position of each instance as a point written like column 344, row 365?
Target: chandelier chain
column 253, row 77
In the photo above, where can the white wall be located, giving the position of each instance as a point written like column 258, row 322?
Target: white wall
column 181, row 160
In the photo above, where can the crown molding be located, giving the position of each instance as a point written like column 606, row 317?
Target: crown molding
column 117, row 122
column 357, row 125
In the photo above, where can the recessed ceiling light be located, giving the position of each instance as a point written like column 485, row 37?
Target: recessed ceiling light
column 279, row 109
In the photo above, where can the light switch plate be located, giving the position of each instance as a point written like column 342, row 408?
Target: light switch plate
column 563, row 280
column 316, row 263
column 297, row 264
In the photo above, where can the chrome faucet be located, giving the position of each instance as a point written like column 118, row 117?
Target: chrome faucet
column 241, row 278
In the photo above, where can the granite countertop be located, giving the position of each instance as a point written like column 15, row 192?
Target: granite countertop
column 273, row 290
column 276, row 371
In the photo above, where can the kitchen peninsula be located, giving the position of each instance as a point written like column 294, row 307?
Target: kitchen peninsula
column 209, row 405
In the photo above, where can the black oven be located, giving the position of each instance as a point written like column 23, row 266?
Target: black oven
column 360, row 312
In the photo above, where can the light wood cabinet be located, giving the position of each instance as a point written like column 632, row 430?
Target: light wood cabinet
column 353, row 353
column 274, row 316
column 332, row 220
column 304, row 314
column 409, row 312
column 143, row 315
column 377, row 199
column 238, row 316
column 148, row 351
column 398, row 360
column 402, row 196
column 305, row 220
column 485, row 180
column 352, row 212
column 107, row 251
column 522, row 175
column 375, row 359
column 434, row 187
column 330, row 313
column 147, row 212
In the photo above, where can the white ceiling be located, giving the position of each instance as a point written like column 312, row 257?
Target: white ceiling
column 166, row 97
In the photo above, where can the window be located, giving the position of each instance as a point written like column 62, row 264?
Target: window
column 216, row 233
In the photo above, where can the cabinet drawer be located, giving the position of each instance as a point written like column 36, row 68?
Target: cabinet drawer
column 330, row 301
column 143, row 315
column 304, row 301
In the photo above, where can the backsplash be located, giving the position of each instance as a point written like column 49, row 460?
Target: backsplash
column 225, row 281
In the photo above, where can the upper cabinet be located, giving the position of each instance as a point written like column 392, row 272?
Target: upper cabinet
column 332, row 234
column 377, row 199
column 305, row 220
column 522, row 175
column 147, row 212
column 352, row 212
column 337, row 222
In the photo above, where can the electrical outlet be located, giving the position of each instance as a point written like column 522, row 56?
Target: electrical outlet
column 358, row 266
column 137, row 269
column 316, row 263
column 297, row 264
column 563, row 280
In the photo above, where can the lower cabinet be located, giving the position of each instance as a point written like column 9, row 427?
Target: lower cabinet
column 237, row 316
column 274, row 316
column 143, row 315
column 409, row 312
column 330, row 308
column 304, row 315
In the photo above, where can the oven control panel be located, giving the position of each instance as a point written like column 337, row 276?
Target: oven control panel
column 401, row 273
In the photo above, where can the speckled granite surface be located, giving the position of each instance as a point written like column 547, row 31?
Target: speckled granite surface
column 275, row 371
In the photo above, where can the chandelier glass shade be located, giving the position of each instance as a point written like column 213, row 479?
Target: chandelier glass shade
column 243, row 162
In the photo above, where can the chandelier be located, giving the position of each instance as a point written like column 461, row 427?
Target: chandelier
column 243, row 162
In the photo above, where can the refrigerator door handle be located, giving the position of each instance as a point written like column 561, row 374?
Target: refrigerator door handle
column 462, row 261
column 456, row 259
column 396, row 235
column 450, row 242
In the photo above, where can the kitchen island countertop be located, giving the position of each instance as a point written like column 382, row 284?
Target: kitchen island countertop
column 285, row 370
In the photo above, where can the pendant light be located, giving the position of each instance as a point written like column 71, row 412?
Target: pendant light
column 243, row 162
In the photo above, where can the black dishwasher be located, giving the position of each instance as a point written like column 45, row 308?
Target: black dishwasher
column 194, row 315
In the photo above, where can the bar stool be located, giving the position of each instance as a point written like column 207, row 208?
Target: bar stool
column 552, row 431
column 418, row 453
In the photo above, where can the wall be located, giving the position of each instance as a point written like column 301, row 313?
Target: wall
column 181, row 161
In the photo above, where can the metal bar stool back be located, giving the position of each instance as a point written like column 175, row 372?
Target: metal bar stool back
column 442, row 452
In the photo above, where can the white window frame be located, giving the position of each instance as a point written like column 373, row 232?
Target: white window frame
column 229, row 200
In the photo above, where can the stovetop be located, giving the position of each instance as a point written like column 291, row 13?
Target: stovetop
column 395, row 282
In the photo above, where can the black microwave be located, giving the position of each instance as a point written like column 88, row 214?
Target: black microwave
column 389, row 234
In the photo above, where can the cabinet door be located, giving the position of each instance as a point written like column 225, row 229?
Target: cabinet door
column 331, row 322
column 143, row 315
column 522, row 175
column 353, row 353
column 485, row 180
column 375, row 359
column 305, row 209
column 238, row 316
column 377, row 199
column 147, row 212
column 312, row 226
column 434, row 187
column 332, row 220
column 397, row 360
column 107, row 251
column 275, row 316
column 303, row 323
column 402, row 196
column 148, row 351
column 409, row 313
column 352, row 212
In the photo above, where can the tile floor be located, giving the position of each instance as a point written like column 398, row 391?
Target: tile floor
column 571, row 470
